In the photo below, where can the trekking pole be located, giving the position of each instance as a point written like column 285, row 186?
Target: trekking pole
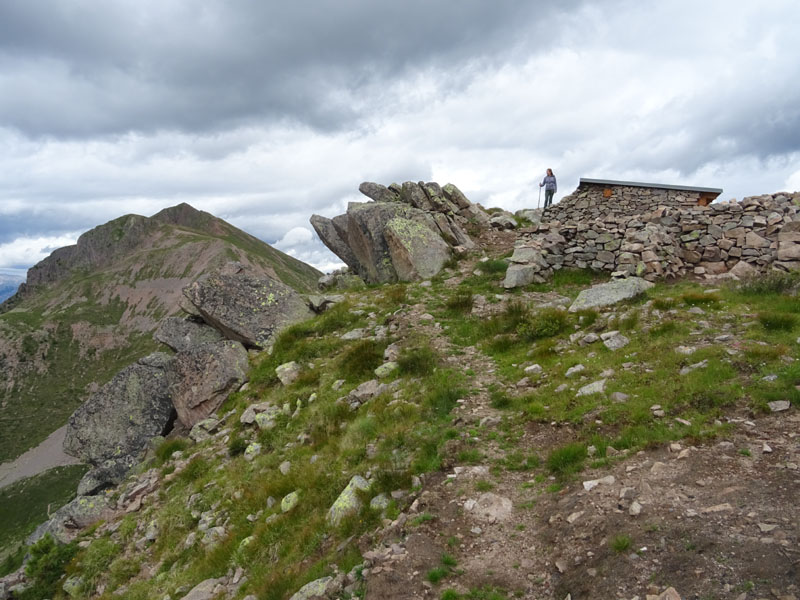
column 540, row 197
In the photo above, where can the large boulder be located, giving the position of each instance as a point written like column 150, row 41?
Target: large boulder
column 112, row 429
column 183, row 334
column 205, row 376
column 607, row 294
column 244, row 307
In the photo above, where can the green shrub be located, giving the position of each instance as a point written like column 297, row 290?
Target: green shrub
column 45, row 568
column 567, row 459
column 544, row 324
column 774, row 321
column 237, row 446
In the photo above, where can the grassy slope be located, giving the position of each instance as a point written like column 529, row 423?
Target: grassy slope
column 24, row 505
column 405, row 433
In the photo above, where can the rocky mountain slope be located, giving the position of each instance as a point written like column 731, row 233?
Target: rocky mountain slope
column 456, row 438
column 90, row 309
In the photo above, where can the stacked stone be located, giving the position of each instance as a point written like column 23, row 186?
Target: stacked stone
column 666, row 241
column 588, row 203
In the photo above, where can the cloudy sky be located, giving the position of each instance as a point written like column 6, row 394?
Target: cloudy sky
column 264, row 112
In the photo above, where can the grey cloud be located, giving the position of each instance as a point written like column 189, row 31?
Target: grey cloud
column 111, row 67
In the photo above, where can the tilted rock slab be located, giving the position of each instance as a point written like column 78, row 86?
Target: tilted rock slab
column 184, row 334
column 407, row 233
column 246, row 308
column 607, row 294
column 205, row 376
column 417, row 251
column 112, row 429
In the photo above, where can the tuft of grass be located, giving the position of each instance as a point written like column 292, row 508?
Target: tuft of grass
column 166, row 449
column 620, row 543
column 775, row 321
column 460, row 302
column 436, row 574
column 774, row 282
column 543, row 324
column 360, row 360
column 664, row 303
column 484, row 486
column 567, row 459
column 494, row 267
column 418, row 361
column 396, row 294
column 237, row 446
column 699, row 299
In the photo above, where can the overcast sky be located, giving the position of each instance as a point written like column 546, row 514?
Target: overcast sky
column 264, row 112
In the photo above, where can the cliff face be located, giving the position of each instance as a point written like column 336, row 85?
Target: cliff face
column 88, row 310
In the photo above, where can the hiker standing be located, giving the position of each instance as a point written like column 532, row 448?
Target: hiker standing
column 550, row 187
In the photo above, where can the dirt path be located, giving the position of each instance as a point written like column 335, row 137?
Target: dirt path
column 45, row 456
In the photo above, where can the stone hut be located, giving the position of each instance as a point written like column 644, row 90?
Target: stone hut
column 659, row 231
column 602, row 198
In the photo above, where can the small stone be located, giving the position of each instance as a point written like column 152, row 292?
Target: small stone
column 619, row 397
column 593, row 483
column 596, row 387
column 574, row 370
column 288, row 372
column 533, row 370
column 635, row 509
column 574, row 516
column 766, row 449
column 386, row 369
column 290, row 501
column 779, row 405
column 285, row 467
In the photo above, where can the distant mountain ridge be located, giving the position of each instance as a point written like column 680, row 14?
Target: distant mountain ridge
column 89, row 309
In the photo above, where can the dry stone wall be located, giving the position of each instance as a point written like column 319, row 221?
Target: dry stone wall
column 588, row 202
column 663, row 241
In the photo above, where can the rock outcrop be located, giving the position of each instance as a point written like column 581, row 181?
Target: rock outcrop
column 246, row 308
column 407, row 233
column 112, row 429
column 71, row 518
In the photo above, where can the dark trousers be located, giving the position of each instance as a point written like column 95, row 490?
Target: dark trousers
column 548, row 197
